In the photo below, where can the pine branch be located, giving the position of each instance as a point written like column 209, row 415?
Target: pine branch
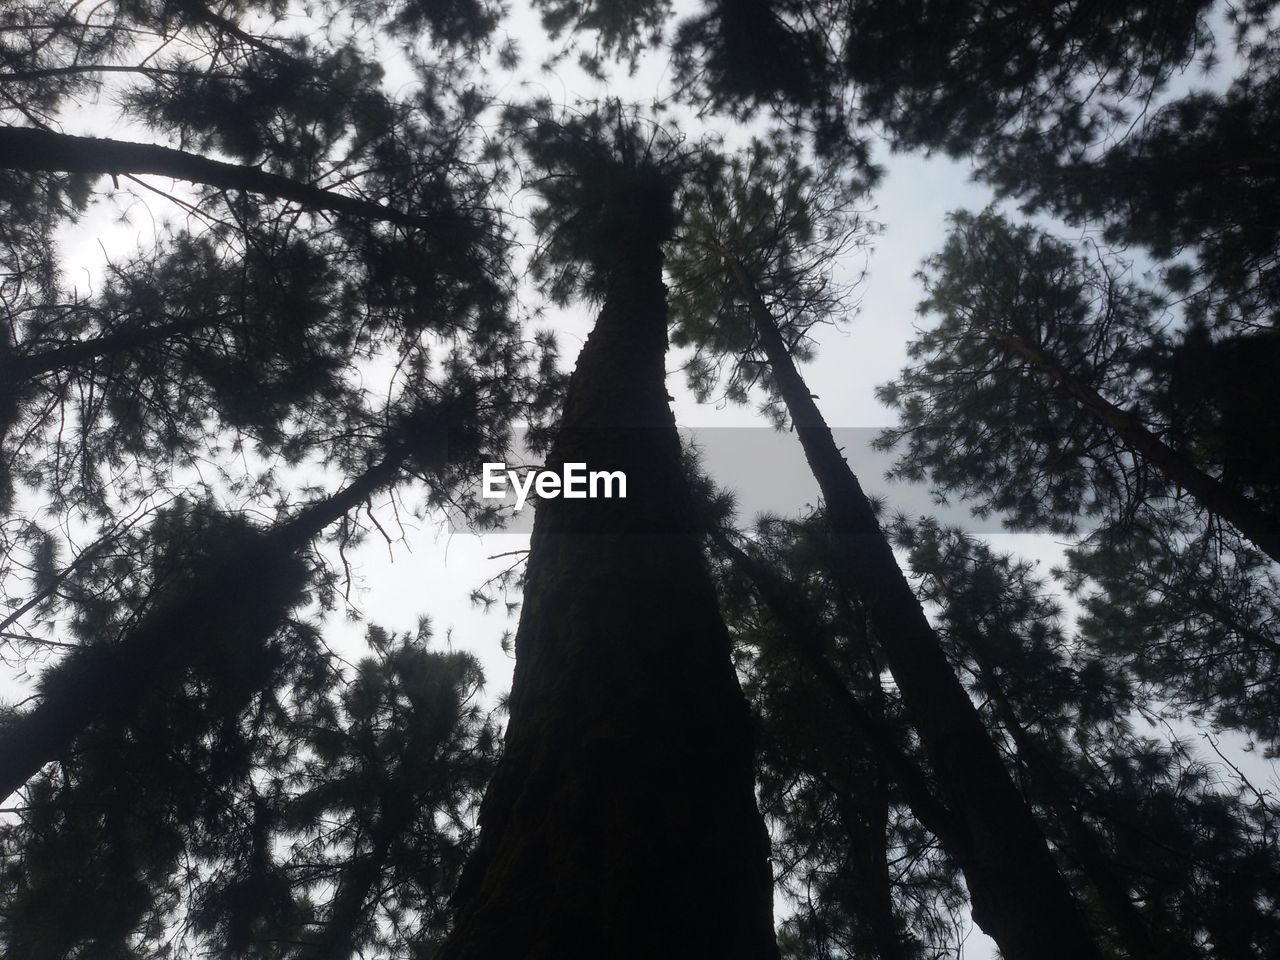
column 43, row 151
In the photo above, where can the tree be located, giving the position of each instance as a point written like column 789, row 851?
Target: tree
column 865, row 846
column 1054, row 391
column 163, row 359
column 107, row 678
column 332, row 225
column 1114, row 804
column 1017, row 891
column 375, row 803
column 1118, row 806
column 1064, row 107
column 1045, row 359
column 269, row 838
column 329, row 287
column 626, row 776
column 966, row 77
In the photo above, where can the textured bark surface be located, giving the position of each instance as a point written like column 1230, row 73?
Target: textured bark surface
column 1018, row 895
column 622, row 820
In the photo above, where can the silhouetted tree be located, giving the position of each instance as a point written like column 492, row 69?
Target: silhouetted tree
column 1017, row 891
column 1056, row 391
column 626, row 776
column 1039, row 369
column 331, row 815
column 1118, row 807
column 863, row 842
column 375, row 805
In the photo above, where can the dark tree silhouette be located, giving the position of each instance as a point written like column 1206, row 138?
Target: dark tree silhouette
column 1038, row 368
column 626, row 775
column 1017, row 891
column 351, row 840
column 105, row 681
column 1055, row 390
column 329, row 295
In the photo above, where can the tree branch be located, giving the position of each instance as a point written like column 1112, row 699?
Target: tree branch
column 43, row 151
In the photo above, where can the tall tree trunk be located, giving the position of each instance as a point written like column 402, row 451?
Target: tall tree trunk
column 241, row 590
column 1256, row 524
column 790, row 609
column 622, row 820
column 1012, row 877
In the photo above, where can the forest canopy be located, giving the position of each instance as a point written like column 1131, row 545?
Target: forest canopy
column 278, row 279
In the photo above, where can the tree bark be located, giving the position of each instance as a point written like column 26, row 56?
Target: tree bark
column 1013, row 880
column 863, row 811
column 43, row 151
column 1257, row 525
column 622, row 820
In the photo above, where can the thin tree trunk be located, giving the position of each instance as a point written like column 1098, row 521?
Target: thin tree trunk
column 1030, row 910
column 866, row 821
column 1113, row 894
column 348, row 909
column 864, row 813
column 240, row 590
column 622, row 820
column 43, row 151
column 790, row 610
column 780, row 598
column 1257, row 525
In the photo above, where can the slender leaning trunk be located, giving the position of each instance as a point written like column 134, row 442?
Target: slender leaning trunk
column 1257, row 525
column 1013, row 881
column 621, row 822
column 1113, row 894
column 240, row 593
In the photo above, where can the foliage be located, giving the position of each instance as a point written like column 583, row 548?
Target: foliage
column 785, row 224
column 178, row 409
column 1163, row 581
column 606, row 177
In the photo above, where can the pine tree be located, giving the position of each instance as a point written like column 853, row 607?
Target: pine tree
column 865, row 846
column 107, row 678
column 1050, row 359
column 969, row 77
column 195, row 773
column 1119, row 807
column 268, row 835
column 1017, row 891
column 1052, row 390
column 251, row 317
column 626, row 775
column 331, row 226
column 1107, row 797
